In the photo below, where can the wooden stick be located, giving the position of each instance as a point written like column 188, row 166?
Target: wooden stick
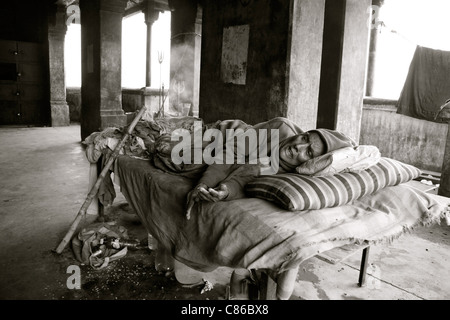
column 92, row 193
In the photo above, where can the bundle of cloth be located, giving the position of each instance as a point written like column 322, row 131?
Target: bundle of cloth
column 141, row 143
column 146, row 142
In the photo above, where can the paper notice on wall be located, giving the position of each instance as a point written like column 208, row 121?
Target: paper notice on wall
column 234, row 54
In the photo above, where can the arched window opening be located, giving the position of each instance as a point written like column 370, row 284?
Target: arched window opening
column 134, row 37
column 133, row 52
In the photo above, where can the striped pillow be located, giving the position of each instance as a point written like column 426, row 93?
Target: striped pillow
column 300, row 192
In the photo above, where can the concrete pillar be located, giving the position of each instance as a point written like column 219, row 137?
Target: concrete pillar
column 374, row 32
column 185, row 55
column 57, row 29
column 304, row 61
column 101, row 45
column 351, row 90
column 151, row 15
column 333, row 33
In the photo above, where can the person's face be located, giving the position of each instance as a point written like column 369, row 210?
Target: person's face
column 300, row 148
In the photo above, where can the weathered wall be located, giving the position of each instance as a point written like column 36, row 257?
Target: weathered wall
column 263, row 96
column 284, row 62
column 73, row 98
column 418, row 142
column 132, row 100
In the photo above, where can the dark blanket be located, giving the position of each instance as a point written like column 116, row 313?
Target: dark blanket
column 254, row 233
column 427, row 86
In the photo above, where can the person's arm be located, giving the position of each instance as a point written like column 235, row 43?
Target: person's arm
column 233, row 187
column 215, row 173
column 230, row 188
column 236, row 182
column 227, row 181
column 211, row 178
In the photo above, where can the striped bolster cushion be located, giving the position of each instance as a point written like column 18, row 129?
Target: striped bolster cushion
column 293, row 191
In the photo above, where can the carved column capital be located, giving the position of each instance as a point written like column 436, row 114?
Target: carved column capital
column 57, row 26
column 151, row 12
column 151, row 16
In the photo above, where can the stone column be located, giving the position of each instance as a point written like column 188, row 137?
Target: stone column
column 101, row 45
column 57, row 28
column 304, row 61
column 151, row 15
column 351, row 89
column 375, row 31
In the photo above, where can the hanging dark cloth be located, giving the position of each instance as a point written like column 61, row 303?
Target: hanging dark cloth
column 427, row 86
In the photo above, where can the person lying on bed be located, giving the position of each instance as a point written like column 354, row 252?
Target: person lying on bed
column 227, row 181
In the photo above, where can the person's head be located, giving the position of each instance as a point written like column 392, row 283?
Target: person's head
column 300, row 148
column 295, row 150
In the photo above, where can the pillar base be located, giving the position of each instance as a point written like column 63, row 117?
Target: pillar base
column 112, row 118
column 60, row 115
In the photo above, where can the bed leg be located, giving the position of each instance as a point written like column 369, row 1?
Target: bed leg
column 267, row 287
column 363, row 269
column 286, row 283
column 96, row 208
column 279, row 289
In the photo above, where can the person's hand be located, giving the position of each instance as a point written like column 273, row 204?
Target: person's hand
column 217, row 194
column 193, row 197
column 202, row 192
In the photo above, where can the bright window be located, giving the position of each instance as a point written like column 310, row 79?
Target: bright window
column 161, row 35
column 134, row 39
column 408, row 23
column 72, row 55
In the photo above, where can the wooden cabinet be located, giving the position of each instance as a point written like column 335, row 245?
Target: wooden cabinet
column 24, row 93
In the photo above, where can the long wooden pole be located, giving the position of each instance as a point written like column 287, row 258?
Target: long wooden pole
column 92, row 193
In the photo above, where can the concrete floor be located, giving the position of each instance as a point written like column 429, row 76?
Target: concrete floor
column 44, row 181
